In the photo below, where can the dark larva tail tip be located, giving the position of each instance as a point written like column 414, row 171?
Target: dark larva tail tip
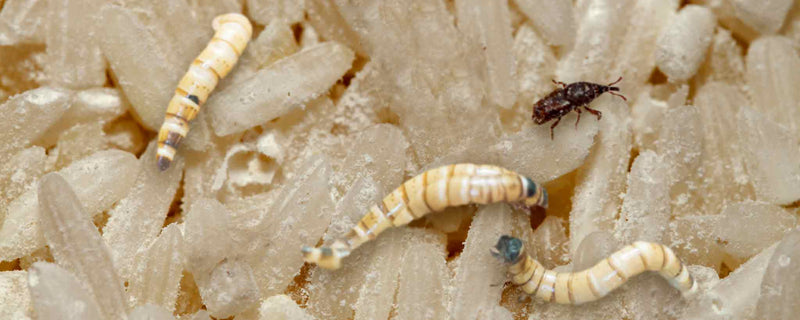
column 163, row 163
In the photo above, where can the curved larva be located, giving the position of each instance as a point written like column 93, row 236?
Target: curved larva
column 232, row 32
column 433, row 190
column 596, row 282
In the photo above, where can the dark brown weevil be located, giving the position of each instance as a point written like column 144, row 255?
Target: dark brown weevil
column 569, row 97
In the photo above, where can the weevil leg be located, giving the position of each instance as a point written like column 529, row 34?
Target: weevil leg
column 594, row 112
column 553, row 126
column 578, row 110
column 559, row 83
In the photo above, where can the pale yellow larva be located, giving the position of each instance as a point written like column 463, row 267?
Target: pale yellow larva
column 433, row 190
column 232, row 33
column 596, row 282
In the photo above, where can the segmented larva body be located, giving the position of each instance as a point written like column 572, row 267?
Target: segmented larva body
column 596, row 282
column 232, row 32
column 433, row 190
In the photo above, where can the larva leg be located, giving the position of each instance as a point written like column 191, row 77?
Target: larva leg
column 433, row 190
column 596, row 282
column 232, row 32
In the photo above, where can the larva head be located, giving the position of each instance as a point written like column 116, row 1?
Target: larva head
column 508, row 248
column 535, row 194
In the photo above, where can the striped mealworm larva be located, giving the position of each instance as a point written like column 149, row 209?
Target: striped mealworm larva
column 430, row 191
column 232, row 32
column 596, row 282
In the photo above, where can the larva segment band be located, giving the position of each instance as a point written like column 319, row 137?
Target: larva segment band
column 232, row 32
column 596, row 282
column 433, row 190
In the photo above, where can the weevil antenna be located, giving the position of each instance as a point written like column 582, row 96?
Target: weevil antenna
column 618, row 95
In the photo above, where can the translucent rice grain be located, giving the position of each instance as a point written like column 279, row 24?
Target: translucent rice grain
column 159, row 271
column 636, row 58
column 19, row 173
column 206, row 10
column 773, row 70
column 78, row 142
column 602, row 179
column 76, row 244
column 487, row 27
column 229, row 289
column 56, row 292
column 281, row 307
column 332, row 293
column 378, row 152
column 532, row 153
column 779, row 290
column 95, row 105
column 272, row 44
column 771, row 156
column 536, row 65
column 746, row 228
column 646, row 115
column 15, row 295
column 205, row 228
column 426, row 66
column 646, row 207
column 598, row 39
column 248, row 104
column 424, row 278
column 150, row 312
column 326, row 19
column 476, row 269
column 165, row 40
column 692, row 238
column 682, row 46
column 725, row 62
column 727, row 17
column 680, row 143
column 735, row 296
column 724, row 175
column 139, row 216
column 548, row 243
column 100, row 180
column 299, row 216
column 376, row 294
column 73, row 58
column 554, row 20
column 23, row 21
column 265, row 11
column 766, row 17
column 26, row 116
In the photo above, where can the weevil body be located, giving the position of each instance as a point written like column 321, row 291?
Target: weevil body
column 232, row 32
column 432, row 190
column 596, row 282
column 568, row 98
